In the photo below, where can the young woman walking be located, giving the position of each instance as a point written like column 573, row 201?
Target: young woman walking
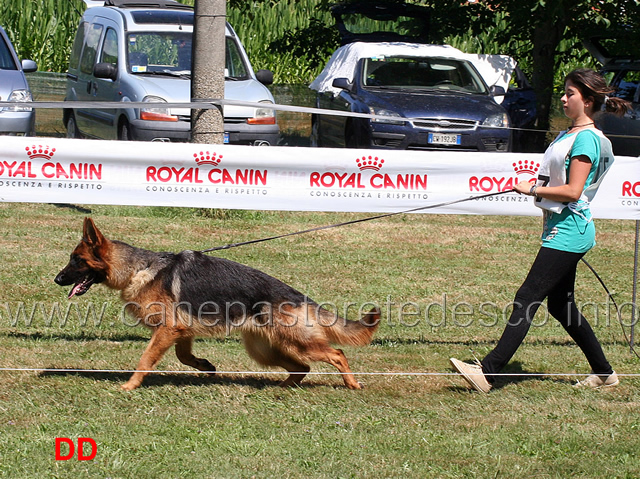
column 569, row 176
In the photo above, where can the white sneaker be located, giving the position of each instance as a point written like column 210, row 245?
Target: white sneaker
column 473, row 375
column 594, row 381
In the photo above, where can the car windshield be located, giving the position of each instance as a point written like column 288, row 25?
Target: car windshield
column 170, row 54
column 628, row 84
column 421, row 73
column 6, row 59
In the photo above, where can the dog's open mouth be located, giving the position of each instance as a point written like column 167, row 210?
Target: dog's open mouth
column 81, row 287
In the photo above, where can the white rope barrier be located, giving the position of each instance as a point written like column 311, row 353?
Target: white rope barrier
column 310, row 373
column 204, row 104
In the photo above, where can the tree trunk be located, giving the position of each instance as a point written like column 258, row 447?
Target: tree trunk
column 546, row 37
column 207, row 69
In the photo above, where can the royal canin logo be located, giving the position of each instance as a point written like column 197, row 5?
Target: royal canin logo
column 528, row 167
column 365, row 180
column 206, row 172
column 44, row 152
column 369, row 163
column 206, row 158
column 40, row 165
column 487, row 184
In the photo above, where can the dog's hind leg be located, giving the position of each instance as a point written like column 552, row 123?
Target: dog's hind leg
column 161, row 340
column 185, row 355
column 263, row 352
column 336, row 358
column 297, row 369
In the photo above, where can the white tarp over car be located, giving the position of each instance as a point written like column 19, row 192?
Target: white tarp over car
column 494, row 69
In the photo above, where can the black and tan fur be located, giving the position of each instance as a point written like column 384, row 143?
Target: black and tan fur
column 188, row 294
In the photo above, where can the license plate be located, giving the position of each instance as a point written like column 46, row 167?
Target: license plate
column 443, row 139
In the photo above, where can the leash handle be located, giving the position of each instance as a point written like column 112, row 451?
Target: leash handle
column 346, row 223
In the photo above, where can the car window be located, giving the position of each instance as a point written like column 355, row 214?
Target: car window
column 74, row 58
column 234, row 62
column 420, row 73
column 110, row 47
column 90, row 50
column 150, row 52
column 628, row 85
column 159, row 51
column 6, row 59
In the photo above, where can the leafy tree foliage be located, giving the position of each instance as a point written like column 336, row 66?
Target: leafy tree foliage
column 545, row 32
column 545, row 36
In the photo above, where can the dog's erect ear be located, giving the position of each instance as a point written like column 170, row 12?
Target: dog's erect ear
column 90, row 233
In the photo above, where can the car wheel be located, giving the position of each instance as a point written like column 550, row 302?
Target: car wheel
column 124, row 133
column 72, row 128
column 314, row 139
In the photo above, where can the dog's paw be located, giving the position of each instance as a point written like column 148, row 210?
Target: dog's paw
column 206, row 367
column 129, row 386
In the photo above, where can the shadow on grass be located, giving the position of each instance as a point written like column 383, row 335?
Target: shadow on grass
column 168, row 379
column 107, row 336
column 79, row 209
column 76, row 336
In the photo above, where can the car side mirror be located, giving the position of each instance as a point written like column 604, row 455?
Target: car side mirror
column 342, row 83
column 29, row 66
column 265, row 77
column 105, row 70
column 496, row 90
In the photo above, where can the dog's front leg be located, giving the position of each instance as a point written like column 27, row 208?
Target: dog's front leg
column 161, row 340
column 185, row 355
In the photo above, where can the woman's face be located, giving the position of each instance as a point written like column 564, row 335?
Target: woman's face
column 573, row 103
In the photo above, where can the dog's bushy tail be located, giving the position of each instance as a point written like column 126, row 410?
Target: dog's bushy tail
column 352, row 333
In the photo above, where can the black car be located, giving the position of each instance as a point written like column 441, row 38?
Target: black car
column 622, row 71
column 424, row 96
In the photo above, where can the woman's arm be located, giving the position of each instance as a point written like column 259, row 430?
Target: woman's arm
column 579, row 167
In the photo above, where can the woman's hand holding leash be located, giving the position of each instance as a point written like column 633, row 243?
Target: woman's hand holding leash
column 525, row 187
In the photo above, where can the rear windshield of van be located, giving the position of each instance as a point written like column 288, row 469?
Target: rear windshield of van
column 163, row 18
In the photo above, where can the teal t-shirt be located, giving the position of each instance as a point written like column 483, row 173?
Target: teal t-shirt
column 573, row 229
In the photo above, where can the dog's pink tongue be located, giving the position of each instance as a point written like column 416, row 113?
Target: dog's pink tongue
column 73, row 292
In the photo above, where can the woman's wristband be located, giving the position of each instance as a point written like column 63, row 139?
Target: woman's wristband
column 532, row 191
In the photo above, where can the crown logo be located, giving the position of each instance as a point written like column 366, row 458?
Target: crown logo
column 369, row 163
column 206, row 158
column 40, row 151
column 526, row 167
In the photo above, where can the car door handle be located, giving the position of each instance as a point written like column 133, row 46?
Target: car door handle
column 92, row 88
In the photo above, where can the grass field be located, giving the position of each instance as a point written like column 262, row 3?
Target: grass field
column 416, row 420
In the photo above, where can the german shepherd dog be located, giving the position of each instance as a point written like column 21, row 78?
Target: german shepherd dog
column 183, row 295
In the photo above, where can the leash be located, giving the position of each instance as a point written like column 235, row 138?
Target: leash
column 352, row 222
column 413, row 210
column 618, row 314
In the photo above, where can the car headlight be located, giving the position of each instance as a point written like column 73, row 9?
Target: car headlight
column 263, row 116
column 21, row 96
column 499, row 120
column 394, row 117
column 156, row 113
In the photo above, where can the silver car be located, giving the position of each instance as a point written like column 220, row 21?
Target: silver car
column 133, row 51
column 15, row 120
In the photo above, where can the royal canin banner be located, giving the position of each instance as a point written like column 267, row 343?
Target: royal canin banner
column 60, row 170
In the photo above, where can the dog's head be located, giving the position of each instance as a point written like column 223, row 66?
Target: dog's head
column 87, row 264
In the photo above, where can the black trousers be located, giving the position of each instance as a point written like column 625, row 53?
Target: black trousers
column 552, row 276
